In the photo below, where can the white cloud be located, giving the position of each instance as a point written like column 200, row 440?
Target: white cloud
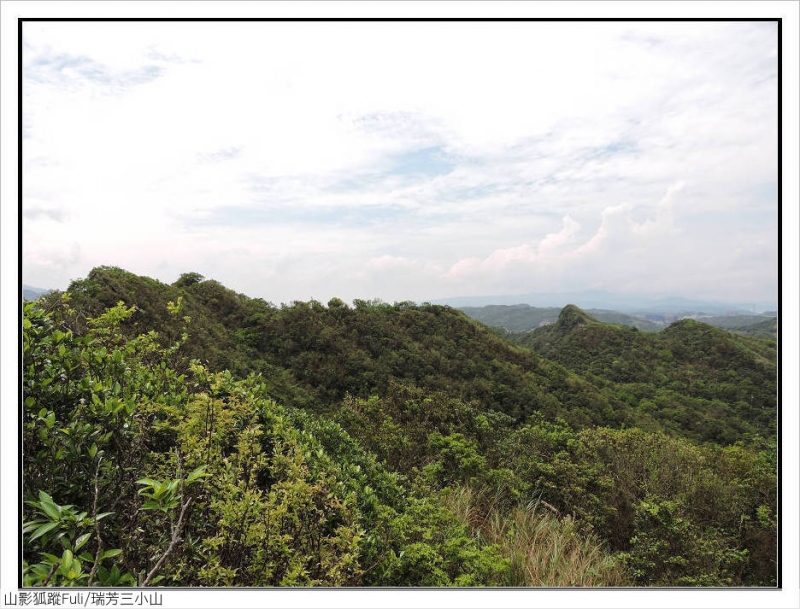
column 387, row 262
column 623, row 249
column 555, row 241
column 158, row 146
column 546, row 252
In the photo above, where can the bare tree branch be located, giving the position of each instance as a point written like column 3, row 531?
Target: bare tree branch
column 53, row 570
column 96, row 526
column 175, row 539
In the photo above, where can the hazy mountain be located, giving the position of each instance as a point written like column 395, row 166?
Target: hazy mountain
column 764, row 327
column 524, row 317
column 31, row 293
column 632, row 304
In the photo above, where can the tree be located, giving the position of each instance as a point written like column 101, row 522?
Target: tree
column 187, row 279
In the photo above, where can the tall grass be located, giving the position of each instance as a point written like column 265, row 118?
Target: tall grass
column 543, row 549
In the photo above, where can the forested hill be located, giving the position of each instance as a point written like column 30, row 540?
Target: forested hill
column 312, row 355
column 690, row 379
column 707, row 382
column 187, row 435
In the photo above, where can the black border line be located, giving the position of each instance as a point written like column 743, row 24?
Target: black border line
column 778, row 452
column 437, row 19
column 21, row 300
column 778, row 20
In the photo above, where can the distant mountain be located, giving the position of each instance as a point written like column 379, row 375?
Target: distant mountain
column 31, row 293
column 766, row 328
column 514, row 318
column 631, row 304
column 524, row 318
column 678, row 304
column 615, row 317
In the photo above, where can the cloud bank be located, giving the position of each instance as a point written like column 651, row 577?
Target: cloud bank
column 291, row 160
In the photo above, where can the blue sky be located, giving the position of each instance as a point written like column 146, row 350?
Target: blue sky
column 299, row 160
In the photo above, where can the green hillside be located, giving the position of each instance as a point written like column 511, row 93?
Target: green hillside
column 696, row 380
column 314, row 355
column 526, row 318
column 763, row 328
column 187, row 435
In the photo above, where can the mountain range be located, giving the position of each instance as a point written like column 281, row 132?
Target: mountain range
column 31, row 293
column 380, row 444
column 633, row 304
column 525, row 318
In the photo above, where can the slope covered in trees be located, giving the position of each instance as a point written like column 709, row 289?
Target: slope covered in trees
column 189, row 435
column 313, row 355
column 696, row 380
column 764, row 328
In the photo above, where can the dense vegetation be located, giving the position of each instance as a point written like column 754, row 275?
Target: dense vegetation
column 188, row 435
column 693, row 379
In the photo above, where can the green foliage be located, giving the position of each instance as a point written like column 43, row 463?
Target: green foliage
column 62, row 524
column 707, row 500
column 690, row 379
column 429, row 547
column 671, row 549
column 552, row 461
column 83, row 436
column 459, row 459
column 186, row 435
column 300, row 530
column 72, row 531
column 313, row 356
column 275, row 507
column 187, row 279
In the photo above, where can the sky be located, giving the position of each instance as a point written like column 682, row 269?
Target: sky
column 405, row 161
